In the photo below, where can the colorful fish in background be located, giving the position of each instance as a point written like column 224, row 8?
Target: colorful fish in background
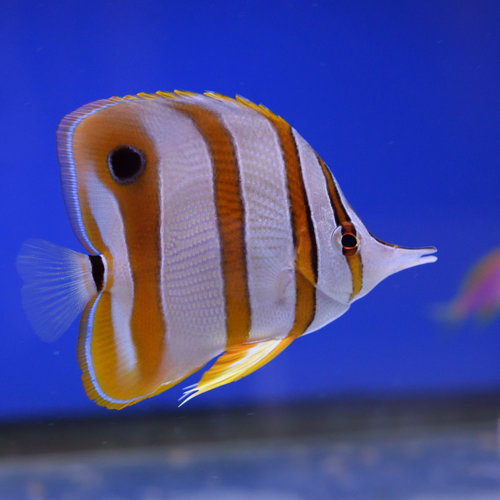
column 213, row 228
column 480, row 293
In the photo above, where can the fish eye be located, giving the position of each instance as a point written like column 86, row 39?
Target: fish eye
column 126, row 164
column 349, row 242
column 346, row 238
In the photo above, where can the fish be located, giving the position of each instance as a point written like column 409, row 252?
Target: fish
column 480, row 293
column 212, row 230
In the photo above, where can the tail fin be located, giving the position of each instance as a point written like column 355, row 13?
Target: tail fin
column 58, row 285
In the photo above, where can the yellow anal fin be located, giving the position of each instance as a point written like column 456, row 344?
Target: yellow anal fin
column 237, row 362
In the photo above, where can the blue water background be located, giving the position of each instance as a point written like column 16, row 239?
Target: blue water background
column 401, row 99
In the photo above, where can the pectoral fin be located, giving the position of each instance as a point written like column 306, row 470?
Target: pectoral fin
column 237, row 362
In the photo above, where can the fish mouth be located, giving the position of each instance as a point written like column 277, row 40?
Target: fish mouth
column 425, row 255
column 412, row 256
column 405, row 258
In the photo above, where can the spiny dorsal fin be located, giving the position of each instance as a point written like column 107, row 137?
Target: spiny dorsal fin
column 195, row 96
column 237, row 362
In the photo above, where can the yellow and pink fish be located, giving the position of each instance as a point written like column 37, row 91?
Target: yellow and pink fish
column 213, row 229
column 480, row 293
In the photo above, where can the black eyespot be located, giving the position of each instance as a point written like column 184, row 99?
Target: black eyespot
column 349, row 241
column 126, row 164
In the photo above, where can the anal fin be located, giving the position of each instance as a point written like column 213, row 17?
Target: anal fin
column 237, row 362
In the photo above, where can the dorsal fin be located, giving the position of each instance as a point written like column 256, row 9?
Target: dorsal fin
column 237, row 362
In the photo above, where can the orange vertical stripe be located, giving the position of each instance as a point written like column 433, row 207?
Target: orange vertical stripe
column 342, row 218
column 139, row 204
column 306, row 275
column 230, row 218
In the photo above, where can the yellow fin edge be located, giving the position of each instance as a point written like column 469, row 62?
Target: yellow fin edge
column 176, row 94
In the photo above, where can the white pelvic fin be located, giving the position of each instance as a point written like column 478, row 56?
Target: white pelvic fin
column 58, row 284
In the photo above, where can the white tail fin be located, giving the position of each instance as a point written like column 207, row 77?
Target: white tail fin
column 58, row 284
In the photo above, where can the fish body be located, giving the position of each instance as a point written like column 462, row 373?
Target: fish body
column 212, row 227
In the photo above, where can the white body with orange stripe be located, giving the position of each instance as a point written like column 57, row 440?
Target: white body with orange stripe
column 213, row 226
